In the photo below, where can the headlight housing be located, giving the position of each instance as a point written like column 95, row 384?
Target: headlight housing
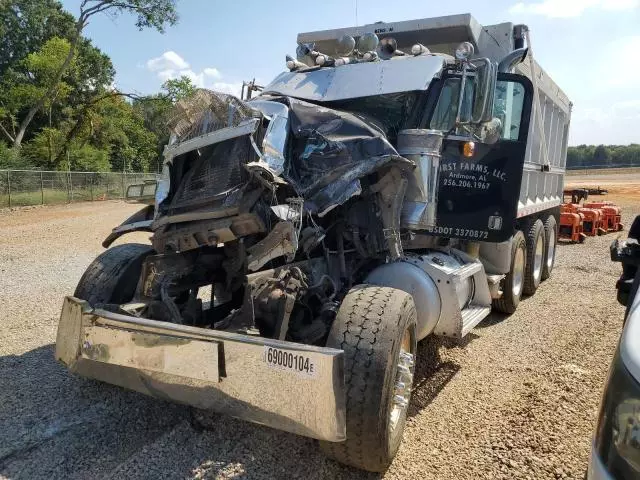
column 617, row 440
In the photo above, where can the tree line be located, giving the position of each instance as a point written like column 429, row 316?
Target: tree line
column 603, row 156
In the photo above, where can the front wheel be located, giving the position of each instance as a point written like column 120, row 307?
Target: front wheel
column 376, row 328
column 113, row 276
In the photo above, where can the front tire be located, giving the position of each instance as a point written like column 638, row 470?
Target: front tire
column 513, row 283
column 376, row 328
column 113, row 276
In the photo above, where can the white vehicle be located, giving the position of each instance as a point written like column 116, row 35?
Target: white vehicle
column 615, row 452
column 400, row 180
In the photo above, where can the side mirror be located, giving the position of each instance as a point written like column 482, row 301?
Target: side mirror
column 465, row 97
column 486, row 79
column 142, row 192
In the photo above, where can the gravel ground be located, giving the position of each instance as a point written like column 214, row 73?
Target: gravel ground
column 518, row 400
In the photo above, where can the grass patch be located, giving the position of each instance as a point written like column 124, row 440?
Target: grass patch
column 56, row 197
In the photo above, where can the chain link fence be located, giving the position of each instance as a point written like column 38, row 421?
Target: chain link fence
column 36, row 187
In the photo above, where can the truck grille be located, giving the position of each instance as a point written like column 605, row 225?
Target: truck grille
column 215, row 176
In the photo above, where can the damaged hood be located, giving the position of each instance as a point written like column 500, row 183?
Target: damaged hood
column 323, row 153
column 330, row 151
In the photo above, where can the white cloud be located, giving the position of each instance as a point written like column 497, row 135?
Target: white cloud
column 170, row 65
column 619, row 51
column 610, row 125
column 167, row 61
column 212, row 72
column 196, row 78
column 570, row 8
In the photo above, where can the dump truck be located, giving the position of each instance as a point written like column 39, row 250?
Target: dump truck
column 397, row 181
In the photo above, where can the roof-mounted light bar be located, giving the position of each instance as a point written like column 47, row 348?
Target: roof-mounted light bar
column 368, row 48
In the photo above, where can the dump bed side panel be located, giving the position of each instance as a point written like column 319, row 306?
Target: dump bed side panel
column 541, row 188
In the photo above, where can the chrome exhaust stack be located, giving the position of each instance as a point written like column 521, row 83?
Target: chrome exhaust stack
column 424, row 148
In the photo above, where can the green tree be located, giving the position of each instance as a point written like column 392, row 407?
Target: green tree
column 119, row 127
column 155, row 111
column 601, row 156
column 587, row 156
column 178, row 88
column 36, row 76
column 25, row 25
column 110, row 135
column 27, row 61
column 149, row 13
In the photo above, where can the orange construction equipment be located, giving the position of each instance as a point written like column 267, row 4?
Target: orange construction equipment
column 571, row 223
column 593, row 221
column 611, row 221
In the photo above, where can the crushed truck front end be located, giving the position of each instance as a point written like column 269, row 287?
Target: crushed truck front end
column 289, row 386
column 335, row 221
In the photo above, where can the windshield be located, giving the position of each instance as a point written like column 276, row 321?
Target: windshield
column 446, row 111
column 390, row 112
column 507, row 107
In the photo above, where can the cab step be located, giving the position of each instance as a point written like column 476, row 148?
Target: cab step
column 472, row 316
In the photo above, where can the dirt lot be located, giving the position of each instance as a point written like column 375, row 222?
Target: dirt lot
column 518, row 400
column 623, row 183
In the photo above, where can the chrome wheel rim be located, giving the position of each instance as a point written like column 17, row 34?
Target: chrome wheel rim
column 518, row 272
column 551, row 251
column 405, row 367
column 538, row 258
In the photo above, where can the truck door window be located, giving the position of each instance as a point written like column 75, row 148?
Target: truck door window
column 507, row 106
column 444, row 115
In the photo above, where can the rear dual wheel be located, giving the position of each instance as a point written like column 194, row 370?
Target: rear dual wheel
column 535, row 238
column 513, row 282
column 533, row 256
column 551, row 240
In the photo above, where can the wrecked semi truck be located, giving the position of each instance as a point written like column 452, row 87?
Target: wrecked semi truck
column 399, row 180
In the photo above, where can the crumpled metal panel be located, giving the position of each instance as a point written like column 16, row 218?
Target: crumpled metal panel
column 322, row 152
column 332, row 150
column 275, row 138
column 403, row 74
column 217, row 172
column 206, row 111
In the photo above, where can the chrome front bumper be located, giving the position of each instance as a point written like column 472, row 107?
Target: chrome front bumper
column 284, row 385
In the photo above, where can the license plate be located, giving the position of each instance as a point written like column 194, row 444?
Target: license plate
column 291, row 361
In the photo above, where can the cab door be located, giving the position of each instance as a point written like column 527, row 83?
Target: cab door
column 478, row 194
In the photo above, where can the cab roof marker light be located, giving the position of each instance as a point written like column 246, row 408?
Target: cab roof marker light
column 293, row 64
column 370, row 56
column 465, row 51
column 419, row 49
column 324, row 60
column 345, row 61
column 367, row 42
column 345, row 46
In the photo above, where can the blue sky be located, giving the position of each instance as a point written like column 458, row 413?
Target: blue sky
column 589, row 47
